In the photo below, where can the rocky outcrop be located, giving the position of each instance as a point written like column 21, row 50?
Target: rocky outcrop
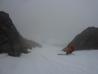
column 86, row 40
column 11, row 41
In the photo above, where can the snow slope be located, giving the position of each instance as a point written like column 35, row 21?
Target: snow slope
column 46, row 61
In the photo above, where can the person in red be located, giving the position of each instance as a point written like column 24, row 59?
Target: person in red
column 69, row 49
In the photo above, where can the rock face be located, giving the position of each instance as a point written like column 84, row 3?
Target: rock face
column 86, row 40
column 11, row 41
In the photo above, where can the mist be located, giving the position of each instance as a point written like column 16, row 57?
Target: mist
column 54, row 22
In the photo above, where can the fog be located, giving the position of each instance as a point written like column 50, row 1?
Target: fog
column 51, row 21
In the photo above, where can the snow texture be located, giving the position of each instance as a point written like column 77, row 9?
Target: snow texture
column 46, row 61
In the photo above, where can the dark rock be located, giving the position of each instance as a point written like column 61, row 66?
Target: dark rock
column 86, row 40
column 11, row 41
